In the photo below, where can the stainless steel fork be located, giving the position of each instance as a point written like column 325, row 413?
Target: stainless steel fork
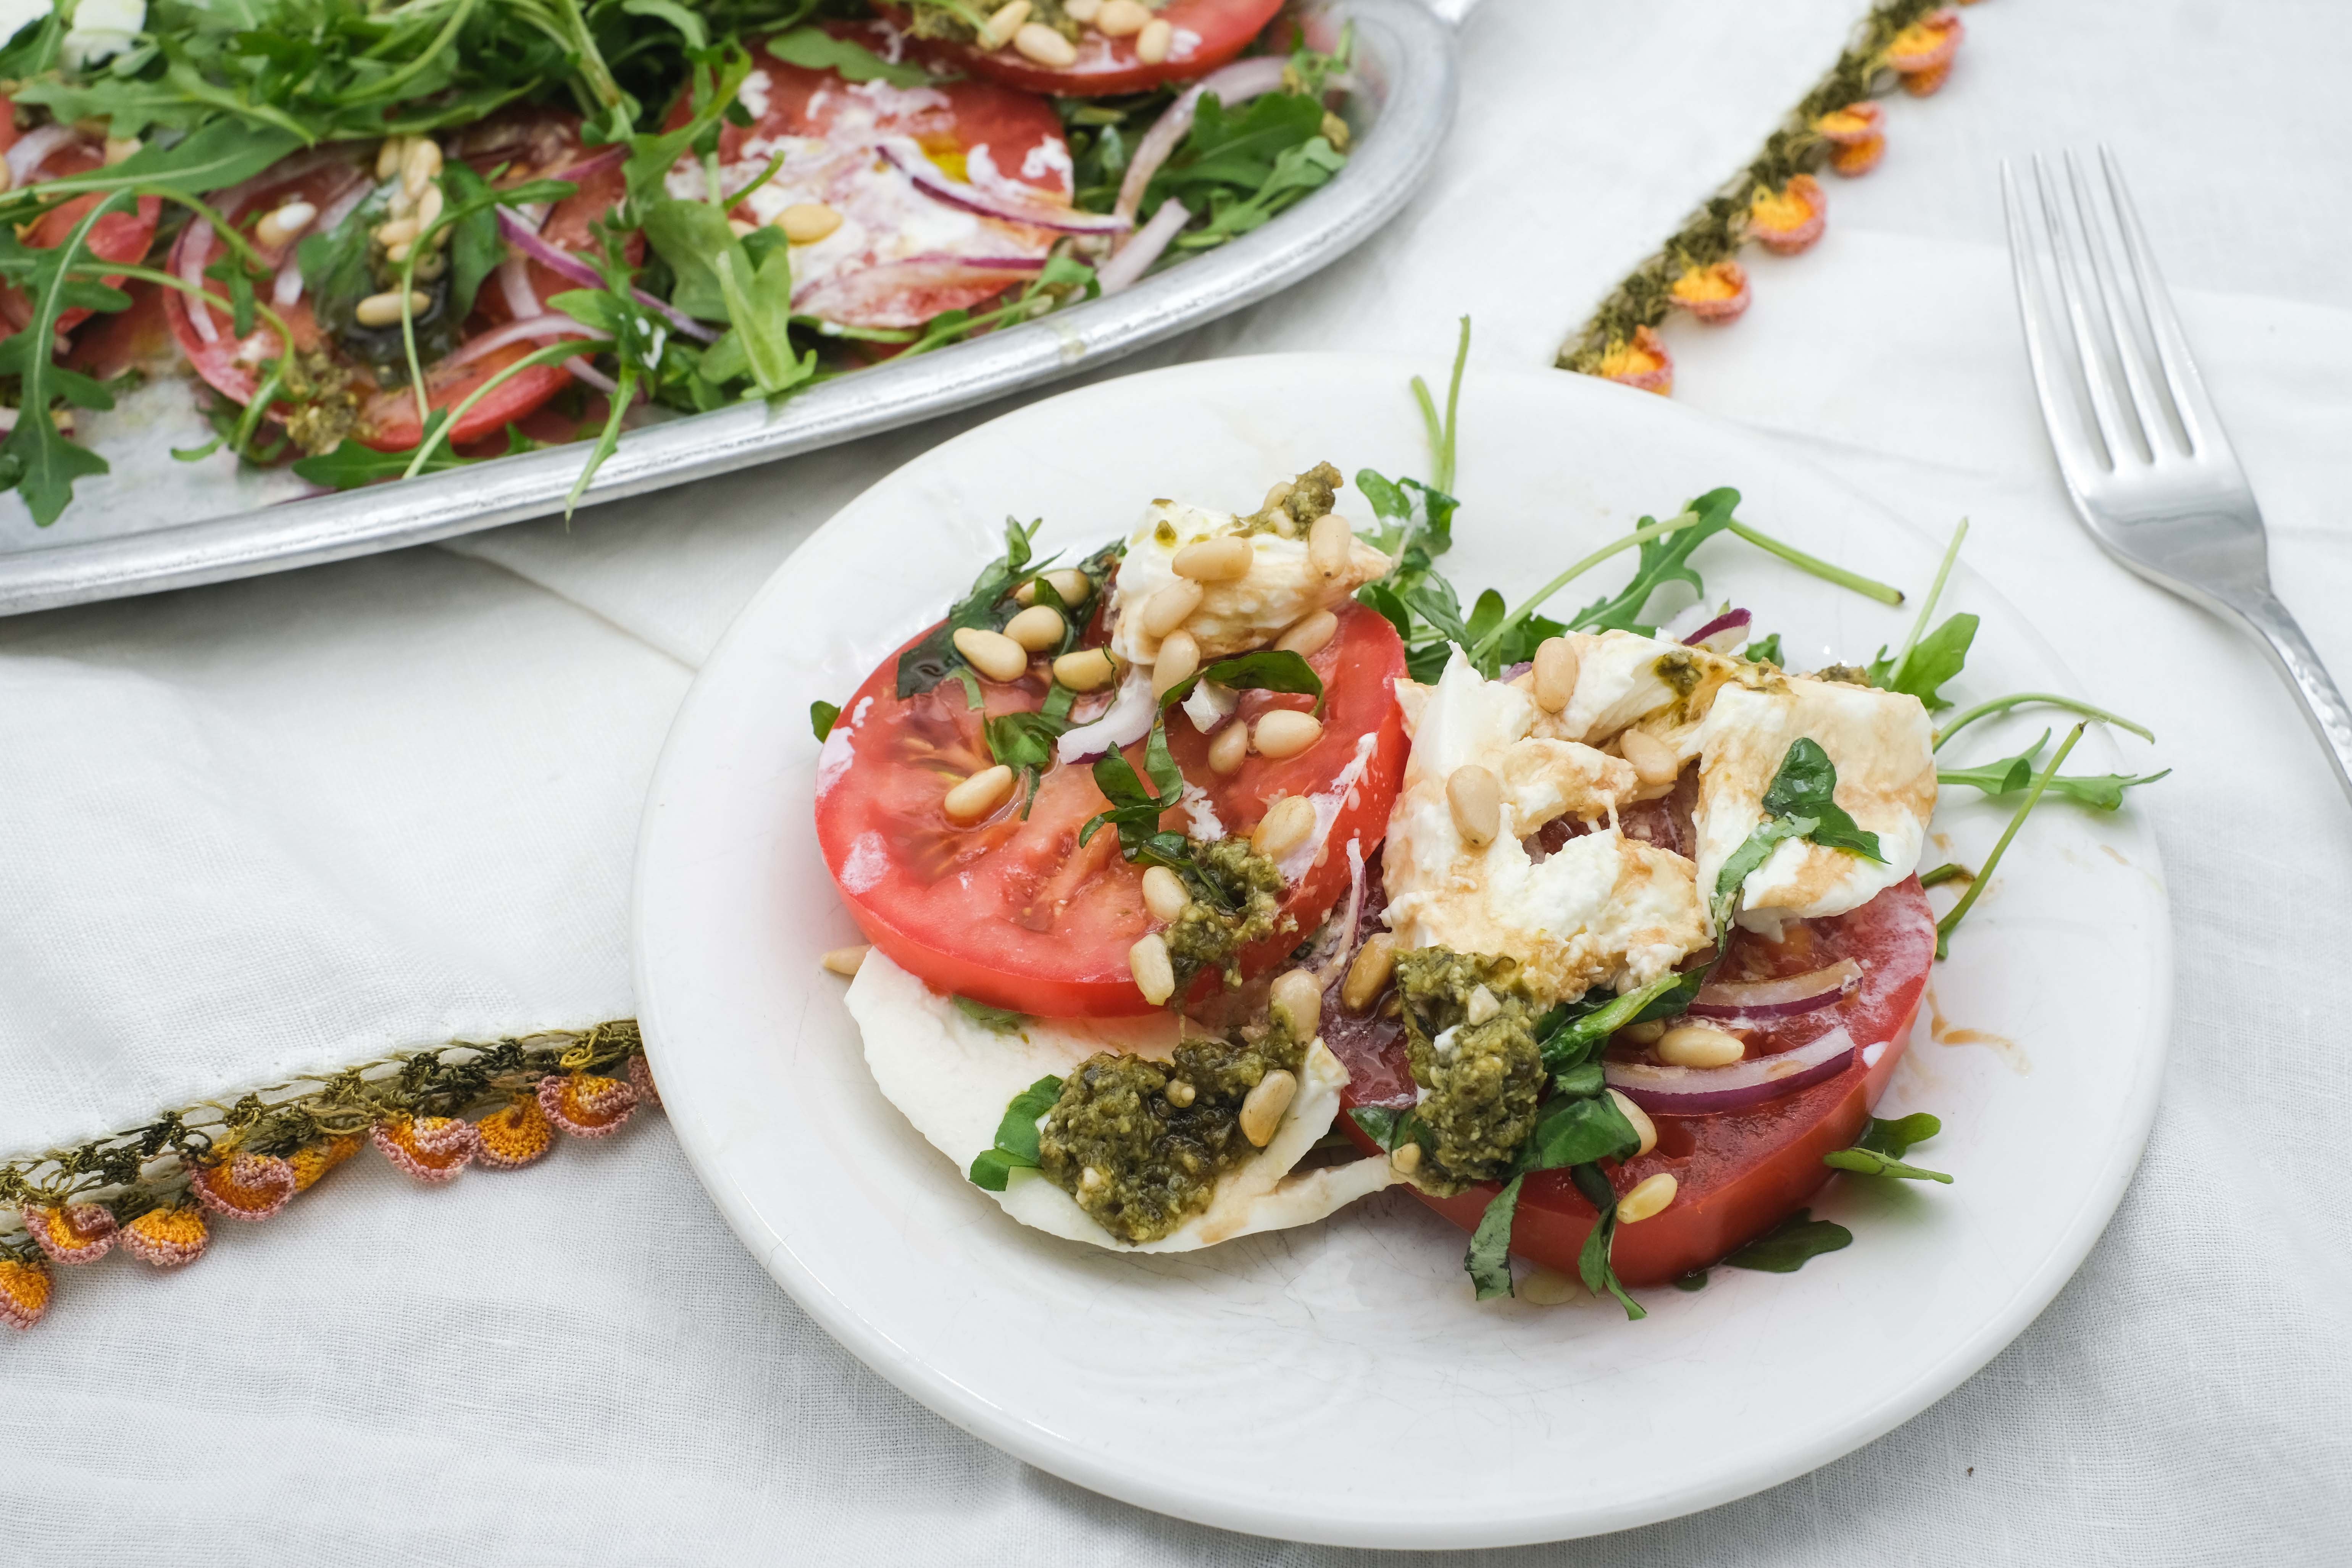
column 2151, row 473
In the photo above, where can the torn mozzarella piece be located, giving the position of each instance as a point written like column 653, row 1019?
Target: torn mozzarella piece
column 1602, row 909
column 1879, row 742
column 952, row 1078
column 1624, row 681
column 1280, row 589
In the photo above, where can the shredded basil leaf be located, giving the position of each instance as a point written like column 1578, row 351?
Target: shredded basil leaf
column 821, row 716
column 1785, row 1248
column 1016, row 1135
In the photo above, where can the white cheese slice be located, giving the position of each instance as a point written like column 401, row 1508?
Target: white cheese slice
column 1602, row 910
column 1879, row 743
column 1280, row 589
column 952, row 1078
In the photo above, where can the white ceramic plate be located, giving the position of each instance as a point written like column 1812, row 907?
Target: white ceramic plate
column 1338, row 1383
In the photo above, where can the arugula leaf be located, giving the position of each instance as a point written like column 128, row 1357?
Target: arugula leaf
column 1002, row 1021
column 1895, row 1138
column 691, row 236
column 1984, row 878
column 817, row 49
column 1936, row 658
column 1693, row 1280
column 1264, row 669
column 1767, row 651
column 1869, row 1163
column 2006, row 775
column 934, row 658
column 1947, row 872
column 219, row 155
column 761, row 311
column 1784, row 1248
column 1016, row 1135
column 1663, row 560
column 350, row 464
column 37, row 460
column 822, row 717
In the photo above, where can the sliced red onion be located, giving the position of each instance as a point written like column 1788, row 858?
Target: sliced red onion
column 1235, row 83
column 1143, row 247
column 908, row 159
column 230, row 203
column 286, row 289
column 1783, row 998
column 552, row 325
column 581, row 370
column 1688, row 1091
column 514, row 287
column 194, row 248
column 32, row 149
column 1724, row 633
column 1126, row 720
column 526, row 239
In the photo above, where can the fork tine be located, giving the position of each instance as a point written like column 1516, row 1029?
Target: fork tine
column 2103, row 410
column 2154, row 430
column 2067, row 440
column 2198, row 416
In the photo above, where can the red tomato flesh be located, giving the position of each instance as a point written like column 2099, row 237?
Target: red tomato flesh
column 1015, row 913
column 1737, row 1173
column 541, row 143
column 1208, row 33
column 122, row 235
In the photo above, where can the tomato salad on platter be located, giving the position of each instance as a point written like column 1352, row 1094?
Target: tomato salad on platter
column 394, row 238
column 1235, row 871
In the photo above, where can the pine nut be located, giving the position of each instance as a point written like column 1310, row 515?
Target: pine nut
column 420, row 164
column 384, row 310
column 1002, row 23
column 1154, row 974
column 1697, row 1046
column 1122, row 19
column 1229, row 750
column 1647, row 1198
column 388, row 156
column 1328, row 545
column 741, row 229
column 1087, row 670
column 1405, row 1158
column 280, row 227
column 979, row 795
column 1178, row 661
column 1170, row 607
column 1369, row 975
column 429, row 208
column 1164, row 894
column 1283, row 732
column 1549, row 1287
column 1479, row 1006
column 1284, row 827
column 1643, row 1128
column 1297, row 1000
column 805, row 222
column 1152, row 43
column 1081, row 11
column 1654, row 761
column 1039, row 42
column 993, row 654
column 1072, row 587
column 1476, row 797
column 399, row 253
column 1647, row 1033
column 399, row 231
column 1179, row 1092
column 1555, row 674
column 1309, row 636
column 1276, row 493
column 1036, row 629
column 118, row 148
column 1263, row 1107
column 845, row 960
column 1213, row 560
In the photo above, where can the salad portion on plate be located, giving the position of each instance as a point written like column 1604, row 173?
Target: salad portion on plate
column 1237, row 870
column 381, row 240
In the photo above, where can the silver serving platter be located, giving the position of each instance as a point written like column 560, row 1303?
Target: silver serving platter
column 128, row 540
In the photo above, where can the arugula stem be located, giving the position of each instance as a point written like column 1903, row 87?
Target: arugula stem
column 2003, row 704
column 1927, row 606
column 1869, row 587
column 1441, row 432
column 1944, row 927
column 1639, row 536
column 276, row 323
column 551, row 355
column 390, row 86
column 608, row 441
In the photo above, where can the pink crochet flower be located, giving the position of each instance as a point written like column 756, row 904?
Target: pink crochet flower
column 71, row 1233
column 641, row 1077
column 167, row 1238
column 1790, row 219
column 24, row 1286
column 1717, row 293
column 514, row 1136
column 248, row 1187
column 585, row 1105
column 433, row 1149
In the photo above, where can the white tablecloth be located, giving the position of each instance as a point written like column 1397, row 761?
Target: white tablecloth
column 303, row 819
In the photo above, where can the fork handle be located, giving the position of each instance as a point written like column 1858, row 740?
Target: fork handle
column 2299, row 661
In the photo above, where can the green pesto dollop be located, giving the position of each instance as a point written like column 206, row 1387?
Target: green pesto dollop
column 1843, row 674
column 1156, row 1160
column 1482, row 1082
column 1312, row 495
column 1208, row 936
column 1681, row 672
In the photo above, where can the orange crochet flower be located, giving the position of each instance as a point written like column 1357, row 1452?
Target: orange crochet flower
column 316, row 1161
column 167, row 1238
column 641, row 1078
column 1790, row 219
column 514, row 1136
column 432, row 1149
column 248, row 1187
column 1922, row 53
column 1717, row 293
column 585, row 1105
column 1642, row 363
column 24, row 1289
column 1856, row 135
column 71, row 1233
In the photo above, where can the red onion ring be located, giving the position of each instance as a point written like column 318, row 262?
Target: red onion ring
column 1777, row 998
column 1235, row 83
column 1721, row 633
column 514, row 287
column 562, row 262
column 1143, row 247
column 908, row 160
column 1686, row 1092
column 552, row 325
column 33, row 149
column 191, row 251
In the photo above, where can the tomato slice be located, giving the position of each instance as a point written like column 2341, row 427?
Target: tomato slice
column 1738, row 1173
column 122, row 235
column 1207, row 34
column 1015, row 913
column 898, row 256
column 541, row 143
